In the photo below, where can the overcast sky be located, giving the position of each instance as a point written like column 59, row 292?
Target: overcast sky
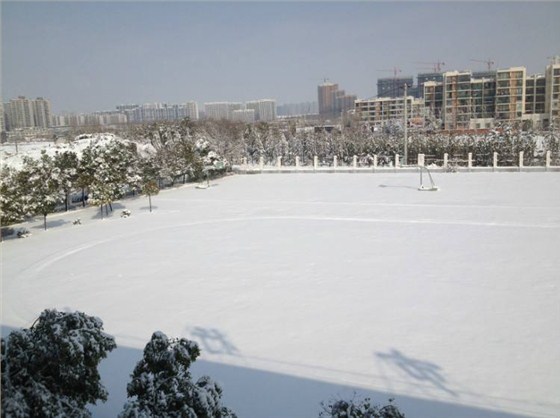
column 87, row 56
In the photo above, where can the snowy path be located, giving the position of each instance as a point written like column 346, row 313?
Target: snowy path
column 303, row 287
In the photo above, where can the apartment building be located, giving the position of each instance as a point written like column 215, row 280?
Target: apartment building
column 333, row 102
column 535, row 94
column 552, row 91
column 510, row 94
column 383, row 111
column 244, row 115
column 264, row 109
column 151, row 112
column 457, row 100
column 325, row 95
column 2, row 125
column 27, row 113
column 221, row 110
column 393, row 87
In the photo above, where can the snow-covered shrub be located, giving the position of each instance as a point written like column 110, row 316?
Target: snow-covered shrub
column 125, row 213
column 23, row 233
column 356, row 408
column 162, row 385
column 50, row 370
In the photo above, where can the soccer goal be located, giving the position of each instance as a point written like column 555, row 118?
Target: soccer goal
column 425, row 187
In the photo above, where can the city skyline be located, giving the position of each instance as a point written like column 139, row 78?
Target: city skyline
column 91, row 56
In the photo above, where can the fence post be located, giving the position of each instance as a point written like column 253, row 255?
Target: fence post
column 547, row 159
column 355, row 161
column 469, row 160
column 279, row 161
column 445, row 160
column 520, row 159
column 297, row 162
column 396, row 160
column 261, row 162
column 421, row 160
column 374, row 160
column 495, row 161
column 315, row 162
column 335, row 161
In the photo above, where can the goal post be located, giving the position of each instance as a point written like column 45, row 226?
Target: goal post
column 426, row 187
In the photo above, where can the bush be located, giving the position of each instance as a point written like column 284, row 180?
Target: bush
column 356, row 408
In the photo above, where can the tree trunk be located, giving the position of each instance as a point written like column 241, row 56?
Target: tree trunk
column 66, row 201
column 150, row 200
column 101, row 208
column 45, row 220
column 83, row 197
column 111, row 206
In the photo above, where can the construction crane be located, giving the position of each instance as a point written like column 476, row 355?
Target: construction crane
column 436, row 66
column 489, row 62
column 394, row 70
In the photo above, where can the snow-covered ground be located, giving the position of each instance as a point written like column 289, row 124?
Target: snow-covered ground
column 305, row 287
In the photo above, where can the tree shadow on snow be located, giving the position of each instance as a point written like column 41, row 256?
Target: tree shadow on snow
column 253, row 393
column 107, row 212
column 50, row 224
column 420, row 371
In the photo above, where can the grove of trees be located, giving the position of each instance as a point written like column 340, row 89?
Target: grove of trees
column 161, row 154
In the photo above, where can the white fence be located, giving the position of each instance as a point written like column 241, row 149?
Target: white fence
column 371, row 163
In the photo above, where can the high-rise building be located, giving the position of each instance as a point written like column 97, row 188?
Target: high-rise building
column 27, row 113
column 244, row 115
column 433, row 98
column 510, row 93
column 325, row 93
column 457, row 105
column 552, row 100
column 2, row 117
column 297, row 109
column 265, row 109
column 221, row 110
column 151, row 112
column 393, row 87
column 422, row 78
column 42, row 113
column 332, row 101
column 535, row 94
column 382, row 111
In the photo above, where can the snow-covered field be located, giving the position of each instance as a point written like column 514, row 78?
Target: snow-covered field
column 305, row 287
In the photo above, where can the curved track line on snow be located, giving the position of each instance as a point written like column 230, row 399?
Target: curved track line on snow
column 66, row 254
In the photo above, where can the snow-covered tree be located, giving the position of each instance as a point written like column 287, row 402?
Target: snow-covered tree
column 358, row 408
column 12, row 205
column 162, row 385
column 67, row 163
column 41, row 185
column 109, row 169
column 50, row 370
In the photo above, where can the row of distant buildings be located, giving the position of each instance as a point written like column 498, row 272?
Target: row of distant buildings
column 24, row 113
column 460, row 100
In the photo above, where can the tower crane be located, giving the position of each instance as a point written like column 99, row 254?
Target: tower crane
column 394, row 70
column 436, row 66
column 489, row 62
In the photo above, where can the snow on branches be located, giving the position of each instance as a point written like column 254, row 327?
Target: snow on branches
column 162, row 385
column 51, row 368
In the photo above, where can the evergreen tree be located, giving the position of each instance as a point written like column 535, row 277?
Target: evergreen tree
column 50, row 370
column 12, row 205
column 356, row 408
column 163, row 387
column 40, row 182
column 67, row 163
